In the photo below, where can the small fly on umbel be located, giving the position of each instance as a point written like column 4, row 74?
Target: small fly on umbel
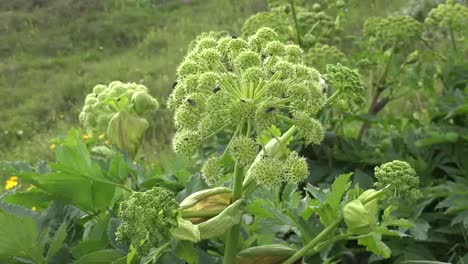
column 216, row 88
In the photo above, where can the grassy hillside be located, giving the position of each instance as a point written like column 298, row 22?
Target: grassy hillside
column 53, row 52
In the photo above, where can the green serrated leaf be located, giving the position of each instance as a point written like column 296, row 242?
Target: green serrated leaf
column 57, row 242
column 374, row 244
column 186, row 251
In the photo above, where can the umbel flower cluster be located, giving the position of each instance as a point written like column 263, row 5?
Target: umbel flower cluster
column 321, row 55
column 393, row 30
column 147, row 219
column 240, row 88
column 118, row 109
column 348, row 83
column 102, row 104
column 401, row 178
column 451, row 15
column 314, row 24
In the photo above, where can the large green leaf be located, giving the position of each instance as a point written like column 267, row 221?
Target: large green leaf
column 75, row 177
column 18, row 238
column 105, row 256
column 374, row 244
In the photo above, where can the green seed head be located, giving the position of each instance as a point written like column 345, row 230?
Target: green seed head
column 243, row 150
column 275, row 48
column 268, row 172
column 212, row 171
column 186, row 142
column 247, row 59
column 295, row 169
column 309, row 128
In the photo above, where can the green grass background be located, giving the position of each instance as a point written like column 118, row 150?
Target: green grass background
column 53, row 52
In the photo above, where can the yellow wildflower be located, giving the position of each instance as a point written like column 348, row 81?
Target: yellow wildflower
column 85, row 136
column 107, row 142
column 34, row 209
column 52, row 146
column 101, row 136
column 11, row 183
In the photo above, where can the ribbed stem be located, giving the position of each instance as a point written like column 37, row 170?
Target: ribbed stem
column 197, row 214
column 232, row 237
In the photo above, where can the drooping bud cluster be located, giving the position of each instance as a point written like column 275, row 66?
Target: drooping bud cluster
column 242, row 88
column 347, row 82
column 270, row 172
column 401, row 179
column 392, row 30
column 322, row 54
column 148, row 218
column 451, row 15
column 102, row 104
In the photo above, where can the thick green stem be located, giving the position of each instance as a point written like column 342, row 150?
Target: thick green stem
column 271, row 148
column 332, row 98
column 452, row 38
column 312, row 244
column 232, row 237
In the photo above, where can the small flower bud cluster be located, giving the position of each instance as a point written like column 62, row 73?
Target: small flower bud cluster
column 347, row 82
column 322, row 54
column 148, row 218
column 271, row 172
column 102, row 104
column 393, row 30
column 449, row 15
column 401, row 179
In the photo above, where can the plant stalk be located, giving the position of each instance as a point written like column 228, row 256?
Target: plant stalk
column 309, row 248
column 232, row 237
column 296, row 24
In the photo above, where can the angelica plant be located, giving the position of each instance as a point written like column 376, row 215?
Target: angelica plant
column 451, row 17
column 396, row 180
column 239, row 89
column 118, row 109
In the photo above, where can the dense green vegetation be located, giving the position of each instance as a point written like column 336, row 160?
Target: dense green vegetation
column 279, row 131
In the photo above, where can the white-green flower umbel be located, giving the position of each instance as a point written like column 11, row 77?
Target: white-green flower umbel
column 240, row 88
